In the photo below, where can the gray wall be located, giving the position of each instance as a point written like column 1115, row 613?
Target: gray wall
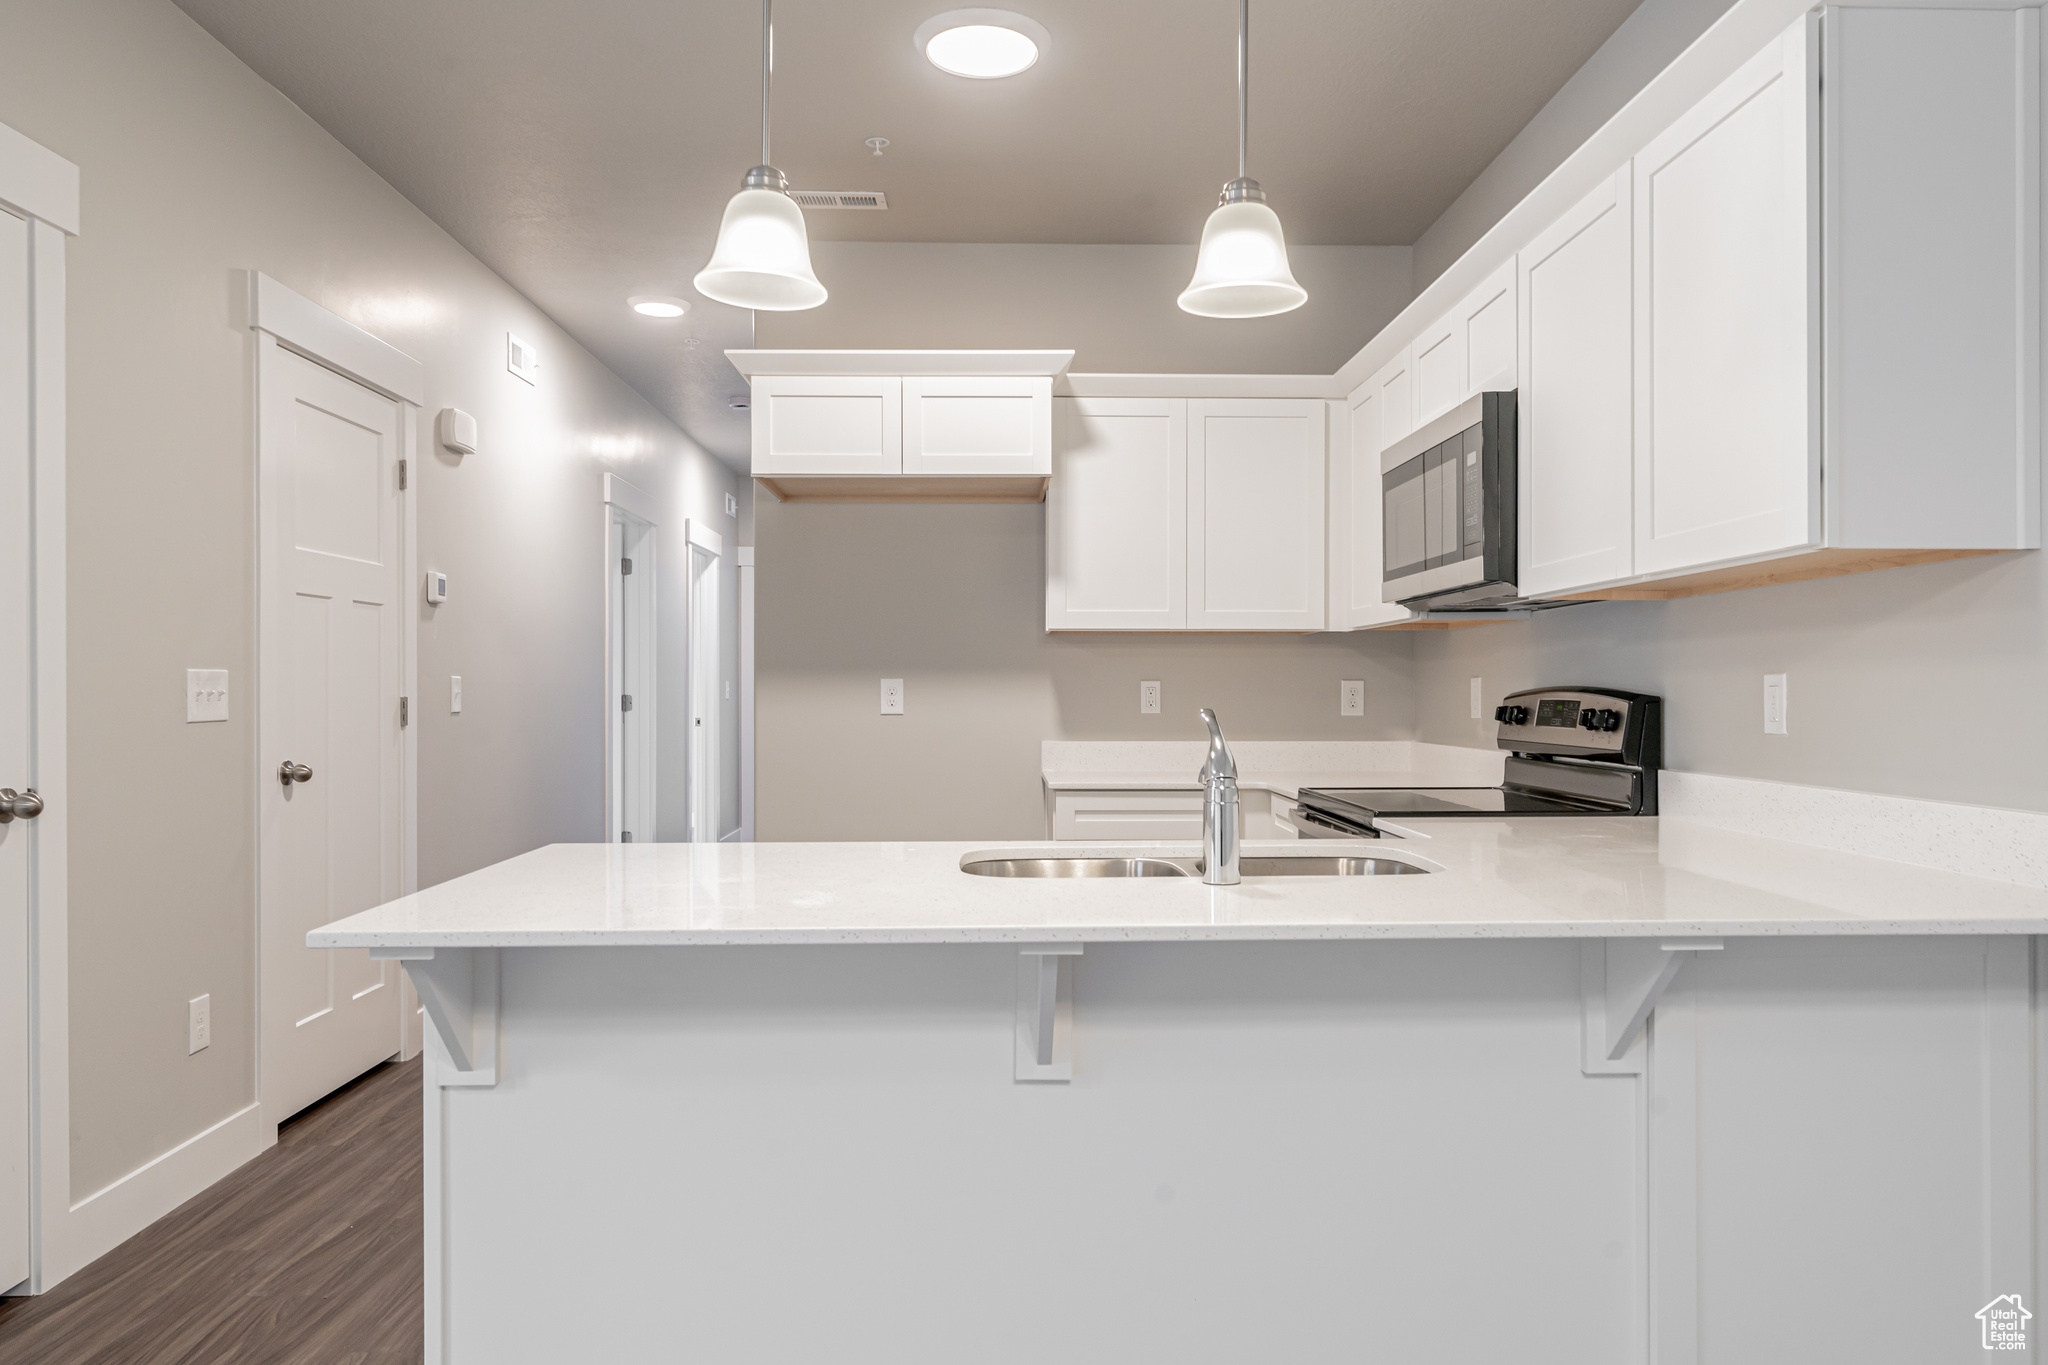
column 1645, row 44
column 1114, row 305
column 952, row 600
column 193, row 169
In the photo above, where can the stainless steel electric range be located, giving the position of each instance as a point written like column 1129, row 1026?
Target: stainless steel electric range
column 1571, row 751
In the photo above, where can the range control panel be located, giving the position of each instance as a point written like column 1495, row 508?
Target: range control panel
column 1591, row 722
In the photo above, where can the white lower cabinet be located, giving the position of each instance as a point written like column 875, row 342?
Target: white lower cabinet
column 1180, row 514
column 1576, row 456
column 1255, row 513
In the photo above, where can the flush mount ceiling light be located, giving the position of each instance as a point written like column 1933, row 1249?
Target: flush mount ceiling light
column 1241, row 270
column 763, row 256
column 981, row 44
column 659, row 305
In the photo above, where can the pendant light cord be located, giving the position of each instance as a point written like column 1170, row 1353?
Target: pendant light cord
column 1244, row 76
column 767, row 59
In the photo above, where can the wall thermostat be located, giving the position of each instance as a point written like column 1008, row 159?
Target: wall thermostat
column 456, row 431
column 437, row 586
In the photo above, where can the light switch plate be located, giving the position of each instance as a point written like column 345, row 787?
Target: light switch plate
column 732, row 505
column 1475, row 698
column 1148, row 698
column 198, row 1024
column 1774, row 703
column 454, row 694
column 206, row 694
column 521, row 359
column 1351, row 697
column 892, row 696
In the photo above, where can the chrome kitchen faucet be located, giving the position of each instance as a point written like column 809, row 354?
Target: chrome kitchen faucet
column 1219, row 808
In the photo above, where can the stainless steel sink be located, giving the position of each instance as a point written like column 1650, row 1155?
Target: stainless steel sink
column 1326, row 867
column 1307, row 866
column 1078, row 867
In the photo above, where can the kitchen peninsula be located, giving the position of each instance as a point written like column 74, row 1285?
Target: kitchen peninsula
column 1479, row 1110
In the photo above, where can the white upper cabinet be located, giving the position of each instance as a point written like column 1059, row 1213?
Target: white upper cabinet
column 977, row 425
column 1116, row 515
column 1575, row 467
column 1255, row 513
column 1469, row 350
column 830, row 425
column 1394, row 389
column 1727, row 309
column 1356, row 523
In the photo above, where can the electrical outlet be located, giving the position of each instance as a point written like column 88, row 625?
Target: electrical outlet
column 198, row 1024
column 206, row 694
column 1774, row 703
column 1475, row 699
column 454, row 694
column 1148, row 698
column 1351, row 697
column 892, row 696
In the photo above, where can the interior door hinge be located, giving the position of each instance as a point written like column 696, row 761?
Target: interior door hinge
column 625, row 701
column 625, row 836
column 625, row 566
column 404, row 712
column 401, row 476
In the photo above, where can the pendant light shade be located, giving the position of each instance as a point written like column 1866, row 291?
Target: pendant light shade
column 763, row 256
column 1241, row 269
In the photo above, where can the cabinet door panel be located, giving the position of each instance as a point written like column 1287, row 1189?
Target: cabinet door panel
column 1396, row 388
column 1576, row 499
column 1355, row 514
column 955, row 425
column 1727, row 449
column 1255, row 514
column 1439, row 382
column 1116, row 515
column 843, row 425
column 1489, row 321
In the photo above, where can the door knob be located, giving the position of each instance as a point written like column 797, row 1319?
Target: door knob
column 289, row 772
column 16, row 805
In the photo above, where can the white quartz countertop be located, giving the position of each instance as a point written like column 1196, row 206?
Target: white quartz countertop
column 1506, row 878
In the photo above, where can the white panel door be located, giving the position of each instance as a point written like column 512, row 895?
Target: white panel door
column 16, row 584
column 1356, row 530
column 1255, row 513
column 1116, row 528
column 1727, row 306
column 1577, row 462
column 808, row 425
column 975, row 425
column 332, row 620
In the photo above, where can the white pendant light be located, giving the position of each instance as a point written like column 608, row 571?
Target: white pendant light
column 1241, row 270
column 763, row 256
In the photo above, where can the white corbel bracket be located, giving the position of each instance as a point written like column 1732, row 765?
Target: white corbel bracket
column 1045, row 1011
column 1620, row 982
column 458, row 989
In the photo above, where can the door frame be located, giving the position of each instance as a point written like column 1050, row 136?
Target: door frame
column 625, row 503
column 704, row 753
column 282, row 320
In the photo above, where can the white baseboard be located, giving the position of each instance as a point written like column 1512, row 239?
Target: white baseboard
column 96, row 1224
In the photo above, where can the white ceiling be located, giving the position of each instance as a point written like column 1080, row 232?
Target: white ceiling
column 585, row 151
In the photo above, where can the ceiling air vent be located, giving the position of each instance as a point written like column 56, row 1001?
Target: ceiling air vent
column 840, row 199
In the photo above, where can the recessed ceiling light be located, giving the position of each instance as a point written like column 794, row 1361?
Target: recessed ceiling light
column 982, row 44
column 659, row 305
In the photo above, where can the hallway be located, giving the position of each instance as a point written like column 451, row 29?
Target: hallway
column 309, row 1254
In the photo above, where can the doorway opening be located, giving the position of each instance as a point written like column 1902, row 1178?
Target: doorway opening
column 630, row 652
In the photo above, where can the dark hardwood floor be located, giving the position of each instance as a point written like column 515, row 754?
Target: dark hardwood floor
column 308, row 1255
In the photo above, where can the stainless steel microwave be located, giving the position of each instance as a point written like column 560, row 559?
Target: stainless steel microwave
column 1448, row 506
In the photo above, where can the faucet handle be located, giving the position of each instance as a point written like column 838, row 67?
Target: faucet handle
column 1220, row 765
